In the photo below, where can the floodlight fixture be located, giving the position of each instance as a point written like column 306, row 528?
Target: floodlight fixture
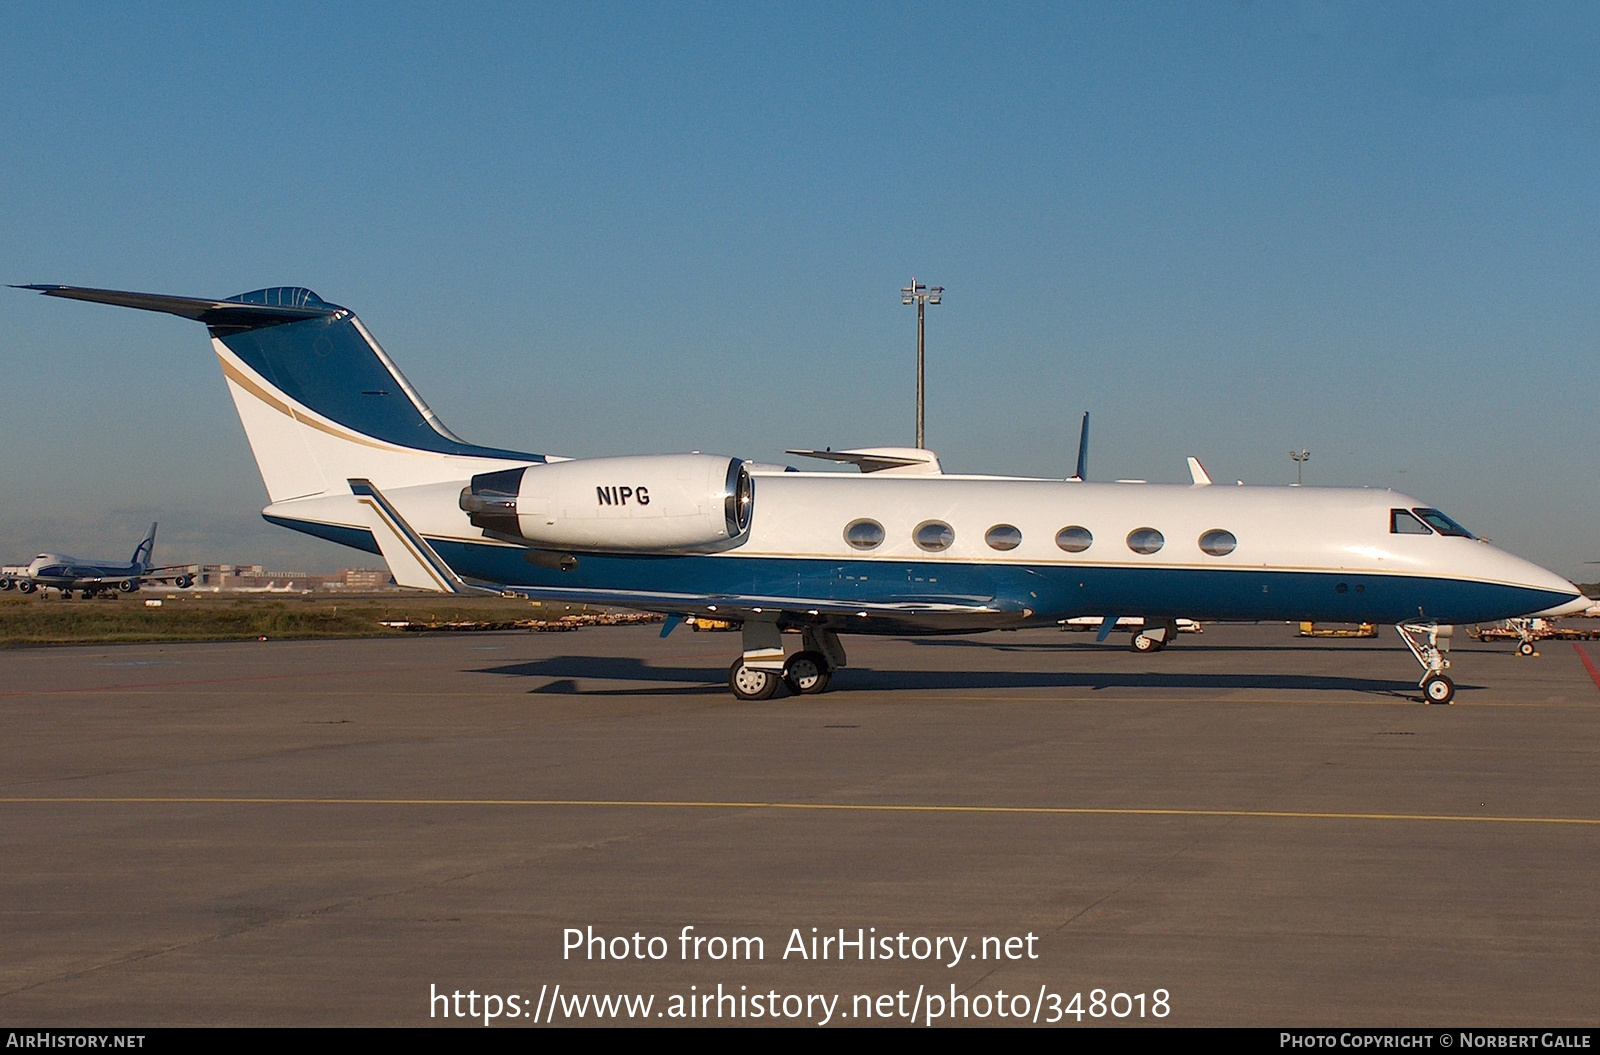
column 1300, row 458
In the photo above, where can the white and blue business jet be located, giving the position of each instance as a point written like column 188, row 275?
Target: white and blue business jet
column 349, row 452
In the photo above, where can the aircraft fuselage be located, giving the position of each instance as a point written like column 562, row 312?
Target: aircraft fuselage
column 1327, row 554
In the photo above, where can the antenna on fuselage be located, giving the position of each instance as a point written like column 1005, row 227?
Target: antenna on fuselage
column 1083, row 451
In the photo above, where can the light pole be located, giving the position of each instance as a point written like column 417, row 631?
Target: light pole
column 921, row 296
column 1300, row 459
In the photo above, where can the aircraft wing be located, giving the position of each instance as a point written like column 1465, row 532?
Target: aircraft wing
column 910, row 615
column 894, row 461
column 167, row 573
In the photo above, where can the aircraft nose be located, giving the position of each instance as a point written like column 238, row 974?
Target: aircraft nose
column 1577, row 606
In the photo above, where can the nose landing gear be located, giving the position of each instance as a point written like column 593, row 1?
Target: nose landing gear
column 1424, row 641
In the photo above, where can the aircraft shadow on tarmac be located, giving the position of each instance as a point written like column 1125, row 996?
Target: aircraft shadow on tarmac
column 1183, row 644
column 565, row 672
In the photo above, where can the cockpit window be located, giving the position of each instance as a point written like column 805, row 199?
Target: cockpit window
column 1442, row 524
column 1401, row 522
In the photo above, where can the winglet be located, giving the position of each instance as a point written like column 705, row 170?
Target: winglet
column 1197, row 473
column 1083, row 450
column 891, row 461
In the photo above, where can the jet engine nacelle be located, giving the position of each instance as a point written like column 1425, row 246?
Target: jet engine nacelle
column 672, row 503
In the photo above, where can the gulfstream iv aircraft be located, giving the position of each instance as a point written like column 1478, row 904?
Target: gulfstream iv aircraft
column 349, row 452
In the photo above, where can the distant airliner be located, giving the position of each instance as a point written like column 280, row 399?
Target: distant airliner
column 63, row 573
column 350, row 452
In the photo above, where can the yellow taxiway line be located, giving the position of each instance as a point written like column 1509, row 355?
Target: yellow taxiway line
column 836, row 807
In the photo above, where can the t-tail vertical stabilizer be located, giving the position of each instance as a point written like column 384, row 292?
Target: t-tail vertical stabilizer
column 321, row 404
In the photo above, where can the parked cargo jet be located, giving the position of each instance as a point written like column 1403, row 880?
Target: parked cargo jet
column 59, row 572
column 350, row 452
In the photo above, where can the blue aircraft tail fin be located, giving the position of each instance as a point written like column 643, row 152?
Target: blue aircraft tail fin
column 145, row 555
column 320, row 401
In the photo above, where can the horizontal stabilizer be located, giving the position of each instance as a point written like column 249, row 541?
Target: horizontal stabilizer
column 247, row 311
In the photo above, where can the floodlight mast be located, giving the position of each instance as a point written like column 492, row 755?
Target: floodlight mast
column 1300, row 458
column 921, row 296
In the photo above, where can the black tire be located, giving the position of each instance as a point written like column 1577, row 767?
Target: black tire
column 1145, row 644
column 1438, row 689
column 747, row 683
column 807, row 673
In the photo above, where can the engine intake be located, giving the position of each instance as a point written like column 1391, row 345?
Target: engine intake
column 672, row 503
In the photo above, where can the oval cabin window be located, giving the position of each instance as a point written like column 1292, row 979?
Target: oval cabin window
column 1218, row 543
column 1003, row 536
column 864, row 534
column 1145, row 540
column 1074, row 539
column 934, row 535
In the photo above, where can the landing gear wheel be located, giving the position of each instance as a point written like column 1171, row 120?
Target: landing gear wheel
column 747, row 683
column 807, row 673
column 1141, row 643
column 1525, row 648
column 1439, row 689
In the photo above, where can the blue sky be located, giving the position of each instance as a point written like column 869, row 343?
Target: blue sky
column 1226, row 229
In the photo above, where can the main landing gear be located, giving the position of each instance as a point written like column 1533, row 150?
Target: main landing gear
column 1424, row 641
column 1154, row 638
column 762, row 669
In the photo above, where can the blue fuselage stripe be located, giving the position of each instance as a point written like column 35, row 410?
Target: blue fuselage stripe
column 1051, row 592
